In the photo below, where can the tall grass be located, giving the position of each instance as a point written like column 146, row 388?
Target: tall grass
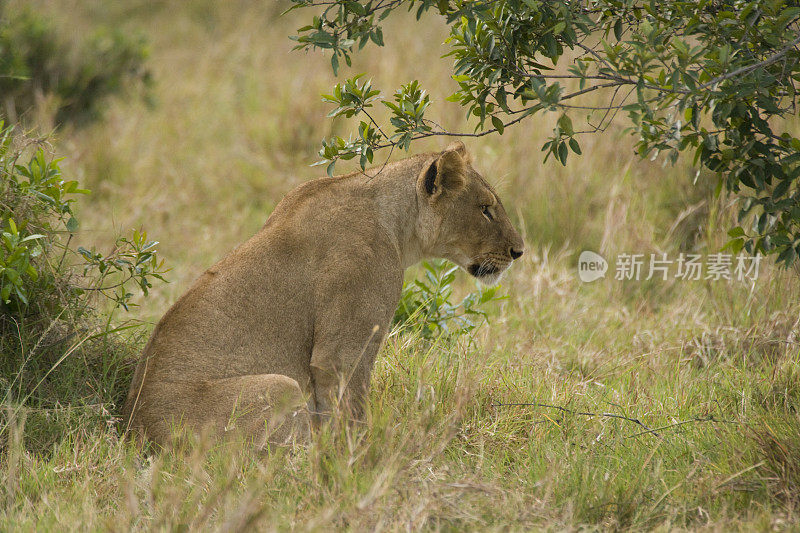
column 610, row 405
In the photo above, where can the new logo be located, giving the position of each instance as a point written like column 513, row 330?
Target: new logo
column 591, row 266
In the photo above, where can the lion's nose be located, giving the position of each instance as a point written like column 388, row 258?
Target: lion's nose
column 515, row 254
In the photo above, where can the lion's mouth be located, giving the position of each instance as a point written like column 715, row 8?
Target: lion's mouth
column 480, row 270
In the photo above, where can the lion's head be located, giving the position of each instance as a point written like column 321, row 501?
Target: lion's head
column 463, row 218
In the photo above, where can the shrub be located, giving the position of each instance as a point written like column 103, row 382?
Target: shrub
column 58, row 347
column 426, row 304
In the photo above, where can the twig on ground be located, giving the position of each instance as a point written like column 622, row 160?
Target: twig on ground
column 581, row 413
column 647, row 430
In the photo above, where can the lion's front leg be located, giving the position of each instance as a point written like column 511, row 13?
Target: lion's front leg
column 354, row 309
column 326, row 390
column 341, row 370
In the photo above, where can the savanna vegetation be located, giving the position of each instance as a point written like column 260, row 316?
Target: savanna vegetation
column 617, row 404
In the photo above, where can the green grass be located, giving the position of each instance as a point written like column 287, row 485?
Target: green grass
column 712, row 367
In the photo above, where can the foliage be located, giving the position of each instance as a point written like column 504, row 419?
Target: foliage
column 426, row 304
column 36, row 212
column 37, row 62
column 57, row 347
column 704, row 78
column 354, row 97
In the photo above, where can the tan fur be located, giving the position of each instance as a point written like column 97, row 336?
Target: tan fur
column 290, row 322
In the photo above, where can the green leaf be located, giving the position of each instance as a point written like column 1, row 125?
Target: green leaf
column 21, row 295
column 377, row 36
column 734, row 245
column 498, row 124
column 335, row 64
column 781, row 189
column 562, row 153
column 565, row 124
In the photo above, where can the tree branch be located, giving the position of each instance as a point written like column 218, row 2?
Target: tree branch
column 744, row 70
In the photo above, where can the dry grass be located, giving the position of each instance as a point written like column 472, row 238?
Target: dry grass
column 712, row 367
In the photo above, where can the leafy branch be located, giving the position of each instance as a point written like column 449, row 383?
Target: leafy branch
column 704, row 79
column 36, row 213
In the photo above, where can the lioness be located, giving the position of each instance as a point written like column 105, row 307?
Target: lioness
column 290, row 322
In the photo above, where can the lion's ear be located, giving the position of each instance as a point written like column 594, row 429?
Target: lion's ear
column 445, row 173
column 458, row 146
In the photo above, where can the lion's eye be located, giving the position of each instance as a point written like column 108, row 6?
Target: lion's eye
column 486, row 213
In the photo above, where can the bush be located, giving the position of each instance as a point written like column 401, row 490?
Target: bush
column 37, row 63
column 59, row 347
column 426, row 304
